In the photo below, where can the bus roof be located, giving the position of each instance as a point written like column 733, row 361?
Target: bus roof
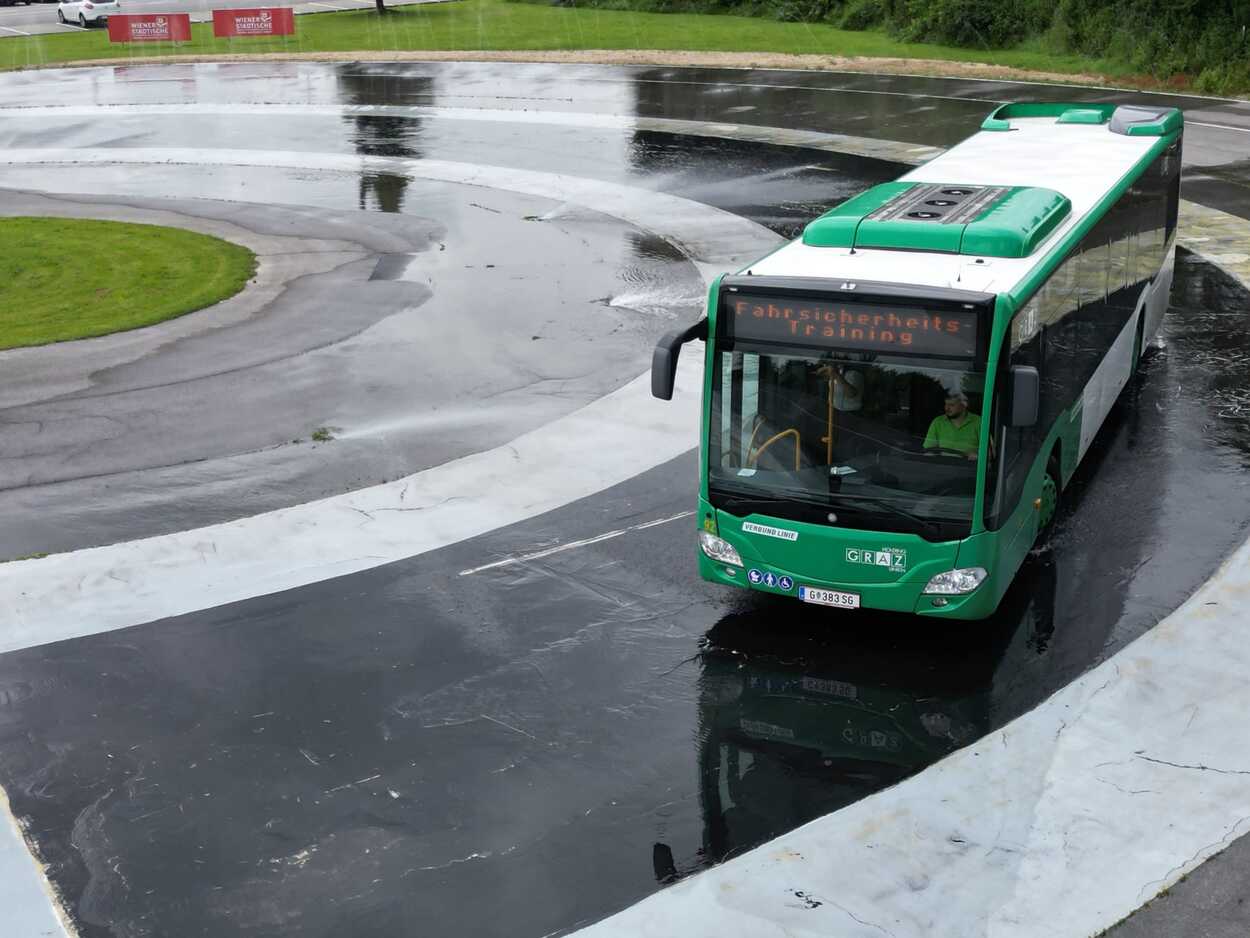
column 1018, row 187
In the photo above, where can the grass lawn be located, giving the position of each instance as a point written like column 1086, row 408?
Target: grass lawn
column 70, row 279
column 500, row 25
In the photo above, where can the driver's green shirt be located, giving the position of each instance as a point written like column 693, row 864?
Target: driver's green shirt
column 965, row 438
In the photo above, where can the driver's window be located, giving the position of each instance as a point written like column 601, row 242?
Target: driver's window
column 739, row 413
column 1012, row 449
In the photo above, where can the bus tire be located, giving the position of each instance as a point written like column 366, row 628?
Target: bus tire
column 1139, row 343
column 1048, row 499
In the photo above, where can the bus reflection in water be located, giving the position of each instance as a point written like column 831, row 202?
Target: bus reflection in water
column 798, row 721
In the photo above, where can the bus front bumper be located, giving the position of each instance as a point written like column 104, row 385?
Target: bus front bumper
column 902, row 596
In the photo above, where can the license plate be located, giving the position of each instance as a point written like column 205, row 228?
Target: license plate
column 812, row 594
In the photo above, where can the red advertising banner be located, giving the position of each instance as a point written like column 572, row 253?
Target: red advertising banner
column 150, row 27
column 264, row 21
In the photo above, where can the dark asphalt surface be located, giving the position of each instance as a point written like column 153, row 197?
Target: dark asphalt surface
column 411, row 751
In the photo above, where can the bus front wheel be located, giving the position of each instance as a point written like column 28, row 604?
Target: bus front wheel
column 1139, row 343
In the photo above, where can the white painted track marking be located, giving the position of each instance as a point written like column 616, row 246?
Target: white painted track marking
column 90, row 591
column 415, row 111
column 10, row 29
column 711, row 237
column 1238, row 130
column 573, row 545
column 836, row 143
column 812, row 88
column 929, row 78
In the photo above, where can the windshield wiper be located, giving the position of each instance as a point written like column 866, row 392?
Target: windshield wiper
column 724, row 499
column 893, row 509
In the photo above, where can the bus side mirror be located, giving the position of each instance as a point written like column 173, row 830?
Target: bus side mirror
column 1026, row 392
column 664, row 358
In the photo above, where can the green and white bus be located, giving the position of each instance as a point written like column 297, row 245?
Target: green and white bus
column 894, row 401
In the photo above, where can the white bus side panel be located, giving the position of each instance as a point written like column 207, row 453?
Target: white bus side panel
column 1108, row 381
column 1160, row 296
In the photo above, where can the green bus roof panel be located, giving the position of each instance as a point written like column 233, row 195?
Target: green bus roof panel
column 1083, row 115
column 946, row 218
column 1146, row 122
column 1016, row 224
column 1055, row 109
column 836, row 228
column 1130, row 120
column 995, row 123
column 923, row 217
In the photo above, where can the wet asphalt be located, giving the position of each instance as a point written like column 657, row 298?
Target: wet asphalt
column 517, row 751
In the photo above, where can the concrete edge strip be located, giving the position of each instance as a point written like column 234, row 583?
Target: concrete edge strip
column 281, row 259
column 30, row 906
column 892, row 150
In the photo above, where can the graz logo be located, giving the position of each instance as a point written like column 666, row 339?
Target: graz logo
column 893, row 559
column 848, row 286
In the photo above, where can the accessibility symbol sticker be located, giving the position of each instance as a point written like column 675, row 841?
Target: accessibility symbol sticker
column 755, row 576
column 770, row 579
column 785, row 583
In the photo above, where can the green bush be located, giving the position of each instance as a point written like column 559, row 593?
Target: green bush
column 979, row 23
column 863, row 14
column 1231, row 78
column 1161, row 37
column 807, row 11
column 1204, row 40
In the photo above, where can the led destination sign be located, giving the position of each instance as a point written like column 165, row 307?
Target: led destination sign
column 852, row 326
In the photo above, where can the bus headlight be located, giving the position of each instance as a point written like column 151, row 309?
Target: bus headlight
column 719, row 550
column 956, row 582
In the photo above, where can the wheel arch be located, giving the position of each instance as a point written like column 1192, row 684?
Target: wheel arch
column 1054, row 463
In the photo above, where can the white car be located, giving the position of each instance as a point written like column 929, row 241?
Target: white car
column 87, row 12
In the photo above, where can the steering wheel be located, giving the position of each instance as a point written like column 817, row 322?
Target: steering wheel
column 946, row 490
column 944, row 451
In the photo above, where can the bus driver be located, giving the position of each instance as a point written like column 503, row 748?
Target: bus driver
column 955, row 429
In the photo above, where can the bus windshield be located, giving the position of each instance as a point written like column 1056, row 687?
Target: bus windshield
column 879, row 442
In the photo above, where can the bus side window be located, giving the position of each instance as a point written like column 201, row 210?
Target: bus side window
column 1061, row 343
column 1171, row 171
column 1093, row 272
column 729, row 419
column 1119, row 280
